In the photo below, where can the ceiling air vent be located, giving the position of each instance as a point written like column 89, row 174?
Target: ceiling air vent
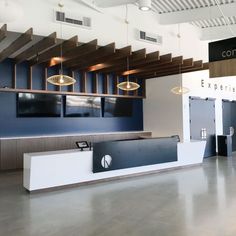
column 73, row 19
column 149, row 37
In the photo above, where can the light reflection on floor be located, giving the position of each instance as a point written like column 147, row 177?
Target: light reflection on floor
column 186, row 202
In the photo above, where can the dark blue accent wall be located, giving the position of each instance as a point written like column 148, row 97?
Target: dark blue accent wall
column 10, row 125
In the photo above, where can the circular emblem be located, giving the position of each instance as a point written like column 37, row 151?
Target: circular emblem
column 106, row 161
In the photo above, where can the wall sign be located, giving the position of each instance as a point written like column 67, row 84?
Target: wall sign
column 218, row 86
column 222, row 50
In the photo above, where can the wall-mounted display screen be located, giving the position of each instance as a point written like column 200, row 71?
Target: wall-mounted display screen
column 118, row 107
column 38, row 105
column 82, row 106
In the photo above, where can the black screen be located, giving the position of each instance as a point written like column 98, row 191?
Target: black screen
column 118, row 107
column 38, row 105
column 82, row 106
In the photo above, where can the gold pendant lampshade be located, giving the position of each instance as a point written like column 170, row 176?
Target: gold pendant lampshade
column 61, row 79
column 127, row 85
column 180, row 90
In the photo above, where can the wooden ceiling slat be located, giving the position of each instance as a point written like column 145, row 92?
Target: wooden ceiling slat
column 101, row 52
column 55, row 51
column 107, row 60
column 175, row 61
column 80, row 50
column 153, row 56
column 165, row 61
column 173, row 71
column 3, row 32
column 20, row 42
column 37, row 48
column 115, row 64
column 138, row 55
column 135, row 61
column 188, row 62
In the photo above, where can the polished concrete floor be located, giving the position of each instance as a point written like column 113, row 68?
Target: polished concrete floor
column 196, row 201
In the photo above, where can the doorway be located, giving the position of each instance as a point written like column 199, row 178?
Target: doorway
column 202, row 123
column 229, row 119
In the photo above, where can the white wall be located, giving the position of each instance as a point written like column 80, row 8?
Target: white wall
column 168, row 114
column 163, row 109
column 109, row 27
column 193, row 81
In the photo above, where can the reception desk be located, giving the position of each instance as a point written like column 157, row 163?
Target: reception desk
column 45, row 170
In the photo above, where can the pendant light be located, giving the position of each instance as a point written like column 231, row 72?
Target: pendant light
column 179, row 90
column 61, row 79
column 127, row 85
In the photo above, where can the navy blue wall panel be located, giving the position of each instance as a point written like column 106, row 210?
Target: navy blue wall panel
column 10, row 125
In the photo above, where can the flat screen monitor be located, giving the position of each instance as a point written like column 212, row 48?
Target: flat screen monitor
column 38, row 105
column 118, row 107
column 82, row 106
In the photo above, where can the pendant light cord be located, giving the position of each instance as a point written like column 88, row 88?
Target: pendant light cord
column 127, row 39
column 61, row 6
column 226, row 19
column 179, row 45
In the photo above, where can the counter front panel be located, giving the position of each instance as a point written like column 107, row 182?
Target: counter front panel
column 116, row 155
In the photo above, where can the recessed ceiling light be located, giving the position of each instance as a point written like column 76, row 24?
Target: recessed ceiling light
column 145, row 5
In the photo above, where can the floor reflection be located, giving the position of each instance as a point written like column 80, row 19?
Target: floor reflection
column 192, row 201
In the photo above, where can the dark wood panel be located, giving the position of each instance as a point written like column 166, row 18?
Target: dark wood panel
column 81, row 50
column 95, row 83
column 83, row 88
column 96, row 56
column 8, row 154
column 14, row 76
column 106, row 84
column 37, row 48
column 3, row 32
column 63, row 93
column 105, row 61
column 28, row 146
column 20, row 42
column 67, row 45
column 137, row 64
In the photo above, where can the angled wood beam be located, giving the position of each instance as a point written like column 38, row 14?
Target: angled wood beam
column 103, row 62
column 138, row 55
column 37, row 48
column 97, row 55
column 95, row 83
column 174, row 71
column 14, row 76
column 3, row 32
column 20, row 42
column 188, row 62
column 55, row 51
column 141, row 65
column 80, row 50
column 106, row 84
column 134, row 62
column 113, row 65
column 163, row 65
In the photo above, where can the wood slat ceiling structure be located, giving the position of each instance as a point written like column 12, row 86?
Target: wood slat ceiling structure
column 90, row 57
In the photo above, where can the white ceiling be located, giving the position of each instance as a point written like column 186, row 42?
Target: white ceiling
column 205, row 15
column 164, row 6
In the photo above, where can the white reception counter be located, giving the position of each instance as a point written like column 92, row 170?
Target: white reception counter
column 45, row 170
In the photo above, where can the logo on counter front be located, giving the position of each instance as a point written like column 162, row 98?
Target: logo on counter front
column 106, row 161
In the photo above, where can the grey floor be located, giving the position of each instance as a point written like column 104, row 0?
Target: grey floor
column 196, row 201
